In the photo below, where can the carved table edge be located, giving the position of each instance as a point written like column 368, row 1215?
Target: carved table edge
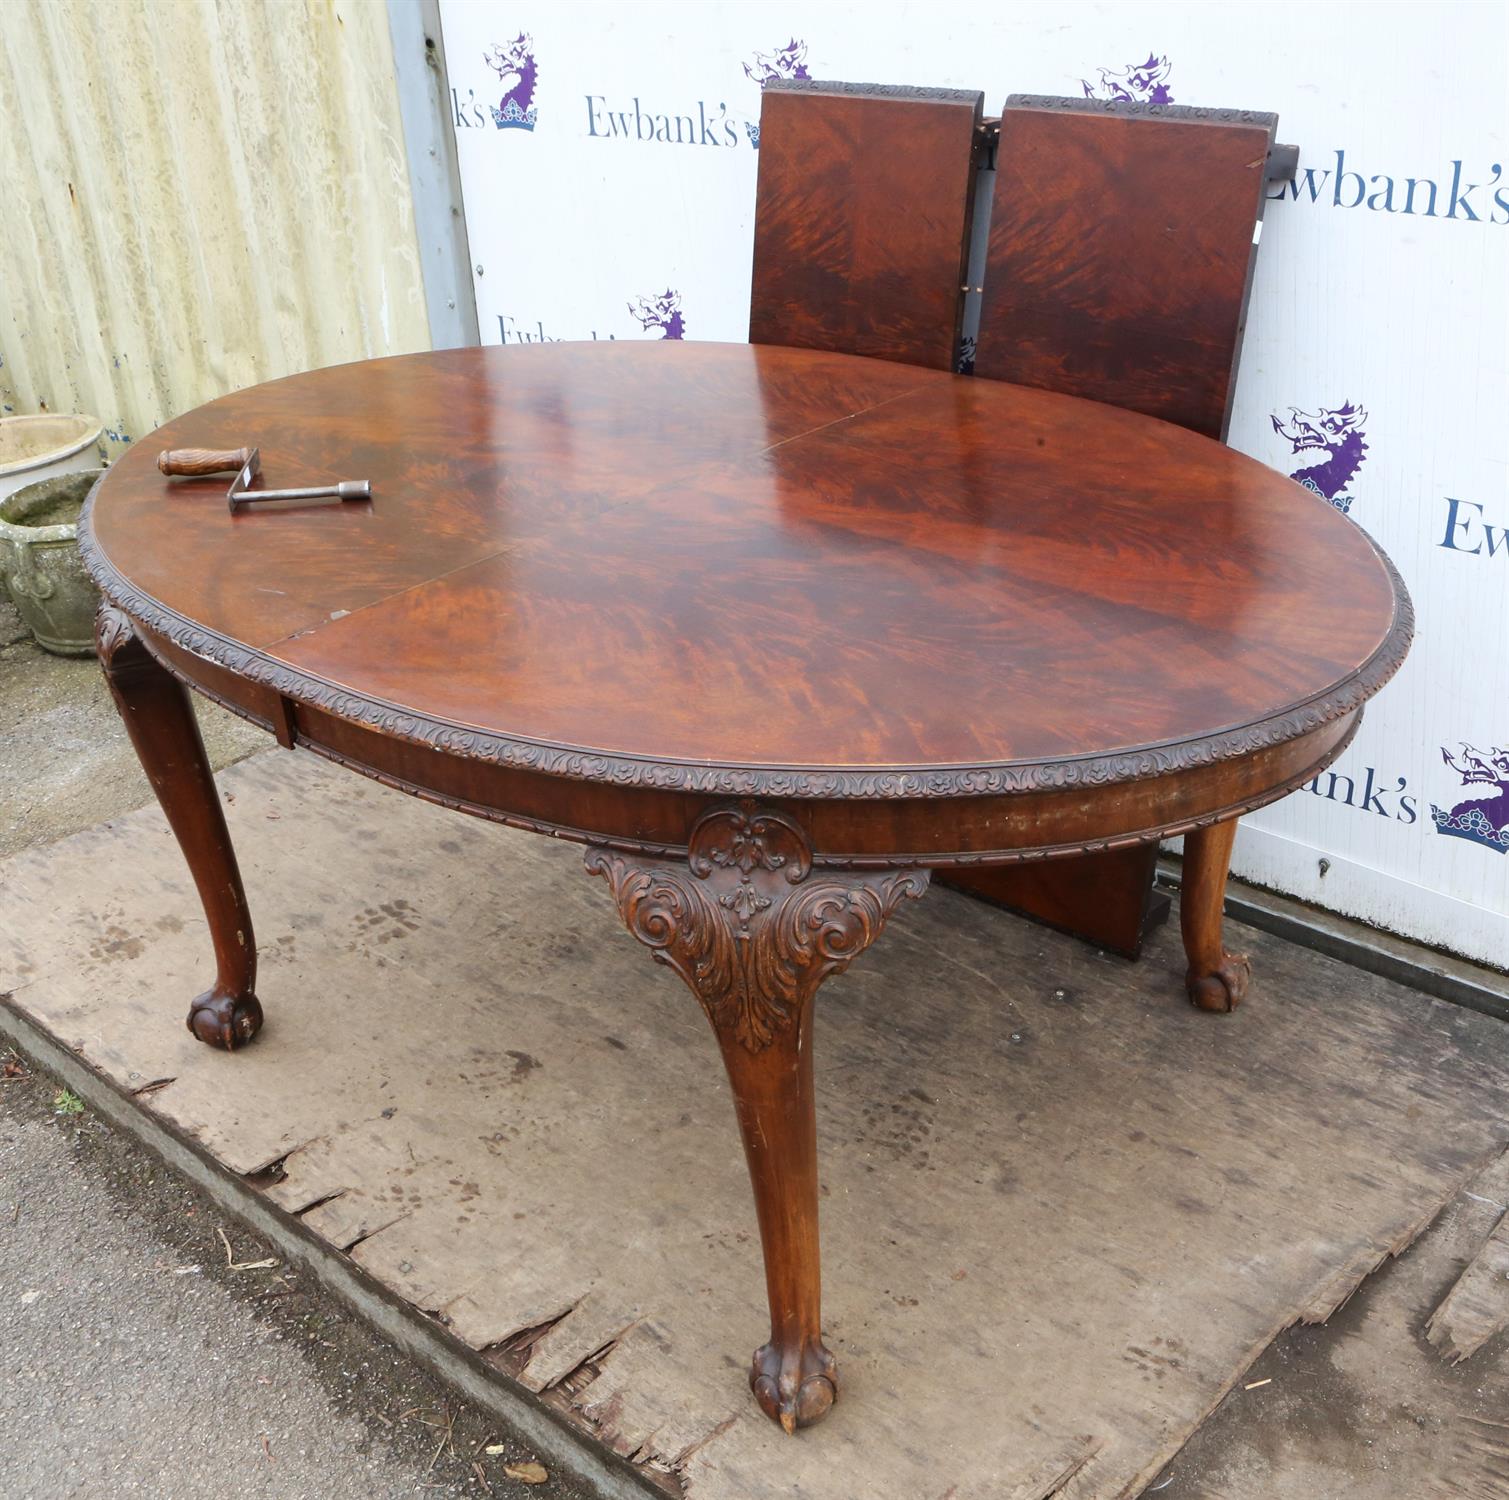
column 795, row 783
column 920, row 92
column 1143, row 109
column 961, row 859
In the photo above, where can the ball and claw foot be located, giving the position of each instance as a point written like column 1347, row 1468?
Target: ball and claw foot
column 794, row 1388
column 228, row 1021
column 1223, row 990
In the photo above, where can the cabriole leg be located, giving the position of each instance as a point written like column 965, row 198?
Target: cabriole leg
column 159, row 717
column 754, row 931
column 1216, row 979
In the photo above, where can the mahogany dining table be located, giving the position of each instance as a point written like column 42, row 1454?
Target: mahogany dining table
column 774, row 634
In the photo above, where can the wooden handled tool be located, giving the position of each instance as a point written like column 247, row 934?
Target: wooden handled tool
column 203, row 460
column 247, row 462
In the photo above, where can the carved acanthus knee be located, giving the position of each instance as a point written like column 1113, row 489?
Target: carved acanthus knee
column 745, row 920
column 115, row 642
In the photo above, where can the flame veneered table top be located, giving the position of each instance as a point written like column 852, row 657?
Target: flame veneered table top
column 655, row 556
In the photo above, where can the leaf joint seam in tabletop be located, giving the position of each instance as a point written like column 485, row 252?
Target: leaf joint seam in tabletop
column 853, row 416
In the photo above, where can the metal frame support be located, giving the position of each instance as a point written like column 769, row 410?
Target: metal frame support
column 434, row 172
column 1282, row 164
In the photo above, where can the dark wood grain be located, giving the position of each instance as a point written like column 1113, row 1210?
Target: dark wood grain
column 862, row 219
column 1106, row 899
column 1121, row 251
column 912, row 620
column 848, row 578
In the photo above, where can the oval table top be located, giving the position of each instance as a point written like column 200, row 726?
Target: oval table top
column 634, row 558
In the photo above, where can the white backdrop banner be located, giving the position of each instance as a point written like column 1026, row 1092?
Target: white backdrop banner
column 608, row 157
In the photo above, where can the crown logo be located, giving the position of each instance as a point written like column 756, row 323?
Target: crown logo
column 1483, row 820
column 514, row 64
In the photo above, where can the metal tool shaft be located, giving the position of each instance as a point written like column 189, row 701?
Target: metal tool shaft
column 347, row 489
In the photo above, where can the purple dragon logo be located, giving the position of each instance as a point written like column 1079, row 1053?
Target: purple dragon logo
column 1140, row 83
column 789, row 61
column 662, row 311
column 1483, row 819
column 1337, row 434
column 514, row 63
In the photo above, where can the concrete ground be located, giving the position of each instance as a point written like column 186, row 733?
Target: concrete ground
column 65, row 761
column 135, row 1361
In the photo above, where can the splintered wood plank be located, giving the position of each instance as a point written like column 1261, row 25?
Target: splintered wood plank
column 1062, row 1211
column 1477, row 1306
column 1331, row 1295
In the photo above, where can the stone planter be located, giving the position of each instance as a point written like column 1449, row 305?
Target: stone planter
column 37, row 447
column 39, row 559
column 33, row 448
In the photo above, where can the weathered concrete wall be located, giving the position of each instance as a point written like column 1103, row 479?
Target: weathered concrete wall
column 199, row 194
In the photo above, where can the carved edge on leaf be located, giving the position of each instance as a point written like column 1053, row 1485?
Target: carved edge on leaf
column 1141, row 108
column 909, row 783
column 743, row 921
column 918, row 91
